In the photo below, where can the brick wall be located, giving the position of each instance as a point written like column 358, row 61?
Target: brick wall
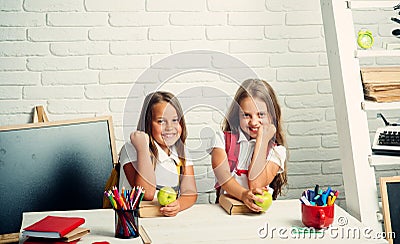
column 83, row 58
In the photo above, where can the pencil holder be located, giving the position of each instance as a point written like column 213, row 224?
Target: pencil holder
column 126, row 223
column 317, row 217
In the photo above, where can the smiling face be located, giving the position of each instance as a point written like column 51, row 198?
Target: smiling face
column 165, row 128
column 253, row 113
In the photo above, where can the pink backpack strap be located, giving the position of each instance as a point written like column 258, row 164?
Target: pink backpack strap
column 232, row 148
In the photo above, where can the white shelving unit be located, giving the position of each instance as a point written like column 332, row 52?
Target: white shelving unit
column 350, row 107
column 376, row 53
column 375, row 160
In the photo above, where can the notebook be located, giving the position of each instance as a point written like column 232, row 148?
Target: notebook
column 53, row 227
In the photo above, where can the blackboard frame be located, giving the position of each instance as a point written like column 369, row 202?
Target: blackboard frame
column 104, row 121
column 386, row 208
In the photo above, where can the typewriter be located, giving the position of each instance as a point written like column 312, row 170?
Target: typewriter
column 387, row 139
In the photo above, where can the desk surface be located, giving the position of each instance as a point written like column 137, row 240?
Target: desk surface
column 209, row 223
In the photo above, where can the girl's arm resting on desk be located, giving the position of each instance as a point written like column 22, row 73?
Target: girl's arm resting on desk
column 229, row 184
column 188, row 194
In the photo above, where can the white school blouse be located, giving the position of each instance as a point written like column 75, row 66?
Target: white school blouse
column 165, row 171
column 277, row 154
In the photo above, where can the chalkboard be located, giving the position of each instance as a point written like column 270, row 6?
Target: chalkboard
column 390, row 191
column 53, row 166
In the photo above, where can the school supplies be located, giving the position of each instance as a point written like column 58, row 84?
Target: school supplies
column 317, row 217
column 126, row 223
column 145, row 237
column 53, row 227
column 149, row 209
column 127, row 199
column 126, row 205
column 318, row 197
column 232, row 205
column 71, row 237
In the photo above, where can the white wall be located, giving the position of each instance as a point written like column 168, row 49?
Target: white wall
column 82, row 58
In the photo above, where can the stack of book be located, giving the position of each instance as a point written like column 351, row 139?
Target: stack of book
column 232, row 205
column 149, row 209
column 381, row 84
column 55, row 229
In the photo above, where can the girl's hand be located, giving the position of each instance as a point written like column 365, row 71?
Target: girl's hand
column 140, row 140
column 171, row 209
column 266, row 132
column 248, row 198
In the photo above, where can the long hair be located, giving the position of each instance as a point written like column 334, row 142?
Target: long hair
column 145, row 122
column 255, row 88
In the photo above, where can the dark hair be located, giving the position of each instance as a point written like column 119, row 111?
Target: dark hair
column 146, row 116
column 255, row 88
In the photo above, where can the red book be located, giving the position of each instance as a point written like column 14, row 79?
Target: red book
column 53, row 226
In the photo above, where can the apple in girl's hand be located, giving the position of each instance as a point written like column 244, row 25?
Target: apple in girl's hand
column 166, row 195
column 267, row 197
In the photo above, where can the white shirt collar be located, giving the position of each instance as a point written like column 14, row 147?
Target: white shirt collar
column 242, row 137
column 163, row 156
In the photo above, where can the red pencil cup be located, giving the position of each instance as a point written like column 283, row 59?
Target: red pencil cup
column 126, row 223
column 317, row 217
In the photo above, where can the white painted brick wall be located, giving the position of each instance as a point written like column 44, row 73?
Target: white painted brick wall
column 53, row 64
column 22, row 19
column 77, row 19
column 52, row 34
column 23, row 49
column 53, row 92
column 175, row 5
column 81, row 58
column 6, row 5
column 79, row 48
column 69, row 77
column 12, row 34
column 139, row 19
column 117, row 34
column 12, row 64
column 52, row 5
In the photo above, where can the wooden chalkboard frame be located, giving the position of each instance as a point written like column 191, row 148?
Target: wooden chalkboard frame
column 384, row 181
column 71, row 122
column 107, row 119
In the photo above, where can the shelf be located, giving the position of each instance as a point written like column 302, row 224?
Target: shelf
column 352, row 122
column 377, row 53
column 369, row 105
column 371, row 4
column 377, row 160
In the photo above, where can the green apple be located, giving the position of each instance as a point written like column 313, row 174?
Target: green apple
column 267, row 197
column 166, row 195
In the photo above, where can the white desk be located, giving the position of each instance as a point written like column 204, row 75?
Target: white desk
column 209, row 223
